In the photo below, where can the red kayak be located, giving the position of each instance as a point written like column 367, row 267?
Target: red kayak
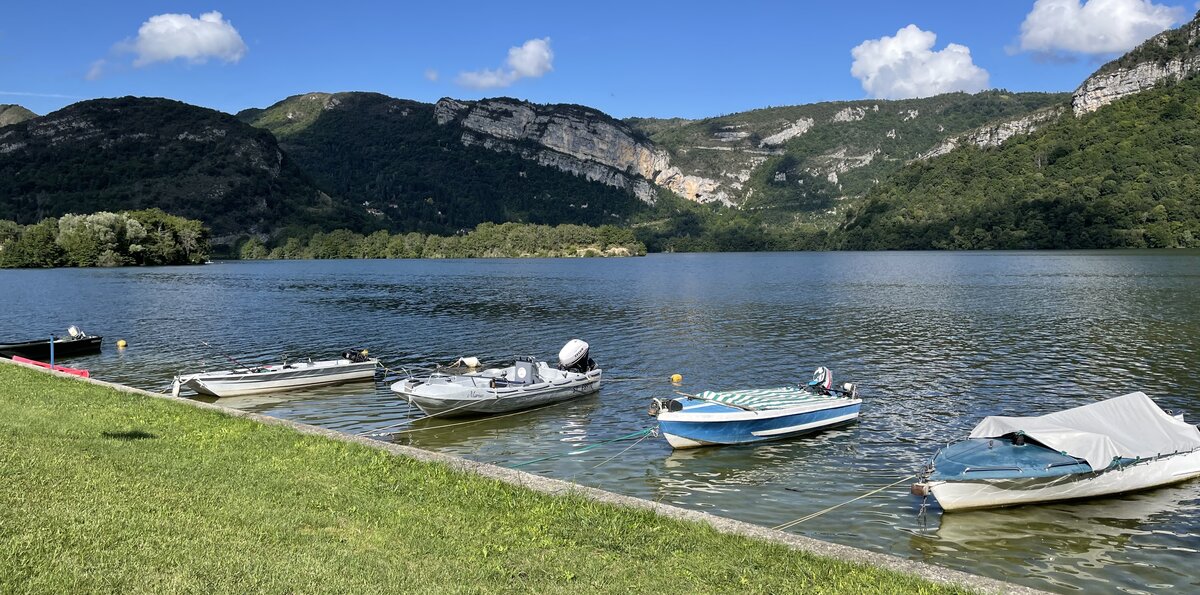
column 63, row 369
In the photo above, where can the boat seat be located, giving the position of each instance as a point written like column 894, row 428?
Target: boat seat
column 523, row 373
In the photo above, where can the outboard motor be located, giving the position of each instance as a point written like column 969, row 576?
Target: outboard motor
column 822, row 381
column 357, row 357
column 573, row 357
column 663, row 405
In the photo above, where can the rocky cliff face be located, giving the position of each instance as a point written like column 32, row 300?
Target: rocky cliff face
column 577, row 140
column 1170, row 55
column 993, row 135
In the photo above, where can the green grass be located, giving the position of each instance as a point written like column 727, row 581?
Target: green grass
column 108, row 491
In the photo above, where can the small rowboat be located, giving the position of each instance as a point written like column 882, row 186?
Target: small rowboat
column 278, row 378
column 77, row 343
column 712, row 418
column 1119, row 445
column 523, row 385
column 56, row 368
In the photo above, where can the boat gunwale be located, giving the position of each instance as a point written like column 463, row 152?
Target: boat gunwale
column 735, row 414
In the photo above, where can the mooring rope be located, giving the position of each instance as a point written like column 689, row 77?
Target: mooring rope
column 461, row 423
column 638, row 434
column 627, row 449
column 814, row 515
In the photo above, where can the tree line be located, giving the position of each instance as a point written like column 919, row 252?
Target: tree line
column 487, row 240
column 104, row 239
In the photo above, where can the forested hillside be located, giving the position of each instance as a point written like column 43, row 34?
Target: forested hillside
column 393, row 157
column 1127, row 175
column 812, row 161
column 137, row 153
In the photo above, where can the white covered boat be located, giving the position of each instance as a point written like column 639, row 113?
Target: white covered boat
column 255, row 380
column 1119, row 445
column 525, row 384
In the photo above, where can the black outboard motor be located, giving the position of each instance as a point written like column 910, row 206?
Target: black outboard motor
column 573, row 357
column 357, row 357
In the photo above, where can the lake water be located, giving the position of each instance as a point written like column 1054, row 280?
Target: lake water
column 935, row 340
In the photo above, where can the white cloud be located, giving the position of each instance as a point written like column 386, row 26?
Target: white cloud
column 97, row 69
column 431, row 75
column 167, row 37
column 1095, row 26
column 905, row 65
column 532, row 59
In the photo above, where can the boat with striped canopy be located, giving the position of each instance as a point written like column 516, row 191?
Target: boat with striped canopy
column 756, row 415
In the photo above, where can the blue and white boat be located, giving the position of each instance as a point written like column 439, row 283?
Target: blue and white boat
column 713, row 418
column 1119, row 445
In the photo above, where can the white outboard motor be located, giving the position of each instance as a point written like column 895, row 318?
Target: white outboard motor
column 573, row 357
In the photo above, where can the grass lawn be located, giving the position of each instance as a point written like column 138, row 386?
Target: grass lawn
column 107, row 491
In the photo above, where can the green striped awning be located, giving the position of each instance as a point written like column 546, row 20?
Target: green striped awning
column 766, row 398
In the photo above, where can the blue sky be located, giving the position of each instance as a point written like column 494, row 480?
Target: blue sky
column 688, row 59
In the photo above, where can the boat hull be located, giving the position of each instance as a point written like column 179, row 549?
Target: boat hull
column 488, row 401
column 273, row 381
column 57, row 368
column 994, row 493
column 684, row 429
column 40, row 350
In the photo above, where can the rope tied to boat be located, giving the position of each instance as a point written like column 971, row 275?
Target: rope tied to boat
column 814, row 515
column 640, row 435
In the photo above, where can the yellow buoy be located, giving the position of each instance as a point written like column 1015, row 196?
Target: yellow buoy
column 121, row 344
column 676, row 378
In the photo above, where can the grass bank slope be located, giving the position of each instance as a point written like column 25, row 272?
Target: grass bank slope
column 108, row 491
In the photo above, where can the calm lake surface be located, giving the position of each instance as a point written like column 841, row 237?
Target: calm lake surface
column 936, row 341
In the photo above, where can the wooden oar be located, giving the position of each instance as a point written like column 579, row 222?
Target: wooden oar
column 699, row 398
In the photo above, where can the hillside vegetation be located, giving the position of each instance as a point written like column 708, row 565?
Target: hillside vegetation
column 149, row 237
column 415, row 175
column 1127, row 175
column 809, row 160
column 488, row 240
column 137, row 153
column 13, row 114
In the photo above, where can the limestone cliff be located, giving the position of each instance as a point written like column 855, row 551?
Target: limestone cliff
column 578, row 140
column 1170, row 55
column 993, row 135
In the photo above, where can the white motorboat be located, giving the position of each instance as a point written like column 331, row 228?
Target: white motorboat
column 255, row 380
column 525, row 384
column 1119, row 445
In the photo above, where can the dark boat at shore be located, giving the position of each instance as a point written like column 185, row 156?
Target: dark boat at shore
column 78, row 343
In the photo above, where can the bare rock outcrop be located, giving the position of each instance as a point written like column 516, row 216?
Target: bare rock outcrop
column 1148, row 68
column 993, row 135
column 575, row 140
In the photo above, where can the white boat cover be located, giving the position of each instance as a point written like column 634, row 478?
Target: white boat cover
column 1128, row 426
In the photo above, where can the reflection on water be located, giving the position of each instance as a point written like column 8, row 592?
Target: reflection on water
column 1150, row 535
column 935, row 341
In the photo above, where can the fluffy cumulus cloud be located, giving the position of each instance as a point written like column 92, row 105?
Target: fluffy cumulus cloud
column 167, row 37
column 1094, row 26
column 531, row 59
column 905, row 65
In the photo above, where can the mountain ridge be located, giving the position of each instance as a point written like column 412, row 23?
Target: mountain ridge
column 135, row 153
